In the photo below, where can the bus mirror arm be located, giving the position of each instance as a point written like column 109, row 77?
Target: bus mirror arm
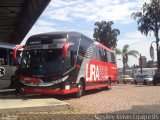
column 65, row 48
column 15, row 50
column 68, row 71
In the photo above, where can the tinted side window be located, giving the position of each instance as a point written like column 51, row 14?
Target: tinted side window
column 109, row 56
column 105, row 56
column 10, row 57
column 113, row 58
column 72, row 55
column 75, row 40
column 98, row 56
column 84, row 45
column 94, row 53
column 3, row 56
column 101, row 54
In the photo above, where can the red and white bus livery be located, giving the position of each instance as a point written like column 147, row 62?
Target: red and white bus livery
column 64, row 63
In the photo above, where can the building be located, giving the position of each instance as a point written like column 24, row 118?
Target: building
column 151, row 64
column 143, row 61
column 148, row 71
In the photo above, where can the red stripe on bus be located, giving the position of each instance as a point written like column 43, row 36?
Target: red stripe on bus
column 48, row 91
column 96, row 86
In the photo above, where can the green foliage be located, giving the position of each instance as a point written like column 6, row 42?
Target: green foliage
column 125, row 52
column 105, row 34
column 148, row 20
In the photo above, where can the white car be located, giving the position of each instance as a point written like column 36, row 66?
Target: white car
column 125, row 79
column 143, row 78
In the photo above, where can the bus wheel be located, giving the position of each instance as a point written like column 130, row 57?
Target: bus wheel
column 109, row 84
column 80, row 91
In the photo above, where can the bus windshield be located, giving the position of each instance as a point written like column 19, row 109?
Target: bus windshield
column 41, row 62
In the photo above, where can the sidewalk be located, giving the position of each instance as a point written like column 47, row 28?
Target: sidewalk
column 12, row 104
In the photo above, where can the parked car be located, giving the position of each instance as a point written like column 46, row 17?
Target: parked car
column 143, row 78
column 125, row 79
column 156, row 79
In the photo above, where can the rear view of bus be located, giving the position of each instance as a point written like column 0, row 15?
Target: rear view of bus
column 56, row 63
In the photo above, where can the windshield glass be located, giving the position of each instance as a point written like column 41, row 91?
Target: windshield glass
column 40, row 62
column 126, row 76
column 146, row 76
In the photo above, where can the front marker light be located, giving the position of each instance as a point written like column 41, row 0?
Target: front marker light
column 67, row 87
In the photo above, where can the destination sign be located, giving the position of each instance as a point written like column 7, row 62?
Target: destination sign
column 34, row 42
column 43, row 46
column 34, row 47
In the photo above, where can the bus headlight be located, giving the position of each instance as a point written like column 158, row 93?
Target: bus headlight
column 67, row 87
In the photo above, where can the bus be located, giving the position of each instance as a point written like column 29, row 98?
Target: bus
column 64, row 63
column 7, row 64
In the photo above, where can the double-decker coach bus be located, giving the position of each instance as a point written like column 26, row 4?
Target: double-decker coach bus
column 64, row 63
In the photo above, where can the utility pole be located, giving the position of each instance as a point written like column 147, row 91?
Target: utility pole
column 141, row 62
column 158, row 49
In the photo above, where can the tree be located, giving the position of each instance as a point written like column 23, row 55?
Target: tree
column 125, row 53
column 148, row 20
column 105, row 34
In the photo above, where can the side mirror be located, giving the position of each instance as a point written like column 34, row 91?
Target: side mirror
column 16, row 49
column 65, row 48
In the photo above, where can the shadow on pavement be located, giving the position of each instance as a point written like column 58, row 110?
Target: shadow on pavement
column 38, row 96
column 72, row 96
column 150, row 85
column 141, row 109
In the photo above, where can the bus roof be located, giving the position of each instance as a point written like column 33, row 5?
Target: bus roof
column 70, row 33
column 104, row 47
column 58, row 33
column 7, row 45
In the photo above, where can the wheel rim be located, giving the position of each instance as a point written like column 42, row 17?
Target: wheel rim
column 80, row 89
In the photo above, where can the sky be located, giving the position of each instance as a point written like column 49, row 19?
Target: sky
column 80, row 16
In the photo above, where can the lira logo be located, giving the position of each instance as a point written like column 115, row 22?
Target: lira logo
column 96, row 72
column 2, row 71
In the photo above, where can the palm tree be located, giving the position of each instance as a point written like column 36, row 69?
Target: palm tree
column 148, row 20
column 105, row 34
column 125, row 53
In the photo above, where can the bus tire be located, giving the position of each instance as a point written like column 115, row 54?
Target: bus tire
column 109, row 84
column 81, row 89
